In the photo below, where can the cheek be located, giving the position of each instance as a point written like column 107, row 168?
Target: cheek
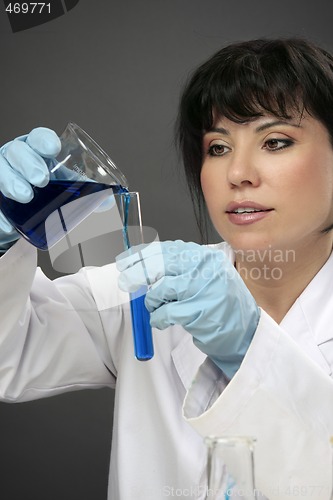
column 209, row 189
column 309, row 186
column 214, row 191
column 205, row 181
column 212, row 182
column 317, row 179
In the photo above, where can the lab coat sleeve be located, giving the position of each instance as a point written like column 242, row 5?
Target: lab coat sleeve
column 52, row 336
column 283, row 399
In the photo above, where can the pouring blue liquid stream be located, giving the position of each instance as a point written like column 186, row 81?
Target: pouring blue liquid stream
column 29, row 219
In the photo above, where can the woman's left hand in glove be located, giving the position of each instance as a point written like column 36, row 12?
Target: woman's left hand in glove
column 198, row 288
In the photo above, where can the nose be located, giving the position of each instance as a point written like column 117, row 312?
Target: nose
column 242, row 170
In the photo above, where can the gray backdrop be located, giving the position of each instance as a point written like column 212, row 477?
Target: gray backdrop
column 116, row 68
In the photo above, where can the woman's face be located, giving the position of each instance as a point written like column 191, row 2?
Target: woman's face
column 269, row 182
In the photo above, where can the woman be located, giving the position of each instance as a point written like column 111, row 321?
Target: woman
column 256, row 132
column 256, row 135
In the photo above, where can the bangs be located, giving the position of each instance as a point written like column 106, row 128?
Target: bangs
column 246, row 94
column 246, row 85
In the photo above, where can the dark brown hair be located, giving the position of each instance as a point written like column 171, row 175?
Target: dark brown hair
column 246, row 80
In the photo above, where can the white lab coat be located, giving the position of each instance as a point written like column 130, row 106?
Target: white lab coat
column 282, row 395
column 70, row 334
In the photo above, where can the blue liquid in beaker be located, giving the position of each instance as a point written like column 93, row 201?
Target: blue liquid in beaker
column 29, row 218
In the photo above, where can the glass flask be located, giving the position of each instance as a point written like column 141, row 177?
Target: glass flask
column 230, row 468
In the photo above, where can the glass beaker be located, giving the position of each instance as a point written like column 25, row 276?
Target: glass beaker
column 82, row 177
column 230, row 468
column 130, row 213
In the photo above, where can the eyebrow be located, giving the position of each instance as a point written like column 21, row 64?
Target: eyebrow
column 264, row 126
column 219, row 130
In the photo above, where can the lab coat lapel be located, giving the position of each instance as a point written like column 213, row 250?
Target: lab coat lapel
column 309, row 321
column 187, row 358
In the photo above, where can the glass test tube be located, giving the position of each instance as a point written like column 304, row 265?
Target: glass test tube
column 133, row 235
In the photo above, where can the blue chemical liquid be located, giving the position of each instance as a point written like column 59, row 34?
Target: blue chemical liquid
column 29, row 218
column 142, row 334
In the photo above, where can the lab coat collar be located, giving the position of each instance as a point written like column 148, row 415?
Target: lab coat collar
column 309, row 320
column 316, row 303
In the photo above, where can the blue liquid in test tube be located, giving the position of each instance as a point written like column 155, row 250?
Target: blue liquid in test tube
column 142, row 333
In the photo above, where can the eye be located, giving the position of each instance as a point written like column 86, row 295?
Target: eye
column 217, row 149
column 277, row 144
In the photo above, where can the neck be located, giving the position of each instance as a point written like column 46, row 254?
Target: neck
column 277, row 277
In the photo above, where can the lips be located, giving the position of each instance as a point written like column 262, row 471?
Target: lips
column 246, row 212
column 243, row 205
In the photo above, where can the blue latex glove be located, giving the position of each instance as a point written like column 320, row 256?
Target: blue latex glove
column 24, row 162
column 197, row 287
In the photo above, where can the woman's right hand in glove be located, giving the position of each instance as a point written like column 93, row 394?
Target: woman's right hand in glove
column 23, row 164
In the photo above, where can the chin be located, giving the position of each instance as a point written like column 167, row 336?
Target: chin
column 248, row 242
